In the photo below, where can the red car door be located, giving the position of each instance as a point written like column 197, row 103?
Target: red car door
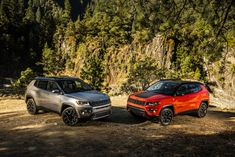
column 186, row 98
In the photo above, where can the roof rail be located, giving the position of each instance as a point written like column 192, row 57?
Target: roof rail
column 54, row 78
column 170, row 80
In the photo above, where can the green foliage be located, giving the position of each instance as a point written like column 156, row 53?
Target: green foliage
column 38, row 15
column 29, row 15
column 67, row 11
column 93, row 71
column 143, row 72
column 45, row 32
column 197, row 74
column 52, row 62
column 25, row 77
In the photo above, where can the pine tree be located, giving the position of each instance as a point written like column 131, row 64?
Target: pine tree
column 2, row 12
column 48, row 60
column 93, row 71
column 21, row 6
column 67, row 6
column 36, row 3
column 8, row 11
column 29, row 15
column 38, row 15
column 67, row 11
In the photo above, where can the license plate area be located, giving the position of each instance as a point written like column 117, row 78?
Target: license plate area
column 137, row 111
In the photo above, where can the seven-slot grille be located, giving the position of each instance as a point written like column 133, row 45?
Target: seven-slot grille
column 138, row 102
column 99, row 103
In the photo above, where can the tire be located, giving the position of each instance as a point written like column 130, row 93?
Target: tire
column 202, row 110
column 70, row 116
column 166, row 116
column 31, row 107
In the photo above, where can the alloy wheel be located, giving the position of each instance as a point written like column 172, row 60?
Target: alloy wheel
column 202, row 111
column 70, row 116
column 31, row 106
column 166, row 116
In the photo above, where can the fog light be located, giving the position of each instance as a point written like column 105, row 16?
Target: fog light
column 152, row 110
column 86, row 112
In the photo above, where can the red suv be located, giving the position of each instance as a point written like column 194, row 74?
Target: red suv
column 167, row 98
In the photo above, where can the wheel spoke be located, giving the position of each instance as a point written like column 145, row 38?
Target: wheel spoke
column 30, row 107
column 70, row 117
column 167, row 117
column 202, row 110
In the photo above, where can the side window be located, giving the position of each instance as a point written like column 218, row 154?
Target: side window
column 42, row 84
column 52, row 86
column 182, row 90
column 78, row 84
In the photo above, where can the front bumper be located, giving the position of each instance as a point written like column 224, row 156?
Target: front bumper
column 141, row 112
column 101, row 111
column 137, row 111
column 143, row 109
column 97, row 112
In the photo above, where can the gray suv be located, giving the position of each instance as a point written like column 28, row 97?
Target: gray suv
column 72, row 98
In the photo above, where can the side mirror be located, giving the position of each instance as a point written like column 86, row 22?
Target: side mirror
column 56, row 91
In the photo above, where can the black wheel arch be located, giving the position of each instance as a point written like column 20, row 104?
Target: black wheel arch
column 28, row 97
column 205, row 101
column 64, row 106
column 170, row 106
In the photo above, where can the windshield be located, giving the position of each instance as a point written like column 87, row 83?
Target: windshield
column 72, row 86
column 164, row 87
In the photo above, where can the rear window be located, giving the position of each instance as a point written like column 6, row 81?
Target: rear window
column 194, row 88
column 41, row 84
column 188, row 89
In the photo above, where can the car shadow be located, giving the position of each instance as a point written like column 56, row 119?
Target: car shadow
column 221, row 114
column 121, row 116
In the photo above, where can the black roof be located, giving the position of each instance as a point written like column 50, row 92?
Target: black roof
column 180, row 81
column 56, row 78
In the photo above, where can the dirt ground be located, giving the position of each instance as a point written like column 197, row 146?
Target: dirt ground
column 120, row 135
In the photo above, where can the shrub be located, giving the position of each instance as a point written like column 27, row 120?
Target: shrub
column 141, row 74
column 25, row 77
column 93, row 71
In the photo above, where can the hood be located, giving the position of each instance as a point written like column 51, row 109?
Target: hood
column 151, row 96
column 89, row 96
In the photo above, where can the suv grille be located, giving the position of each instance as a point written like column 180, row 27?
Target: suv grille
column 138, row 102
column 100, row 103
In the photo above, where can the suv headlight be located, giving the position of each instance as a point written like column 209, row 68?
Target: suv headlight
column 153, row 103
column 83, row 103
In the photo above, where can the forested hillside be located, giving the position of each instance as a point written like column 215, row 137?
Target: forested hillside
column 120, row 44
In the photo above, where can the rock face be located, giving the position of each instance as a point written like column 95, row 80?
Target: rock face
column 161, row 49
column 118, row 61
column 223, row 101
column 222, row 73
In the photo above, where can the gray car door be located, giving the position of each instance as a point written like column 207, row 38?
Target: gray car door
column 42, row 95
column 53, row 96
